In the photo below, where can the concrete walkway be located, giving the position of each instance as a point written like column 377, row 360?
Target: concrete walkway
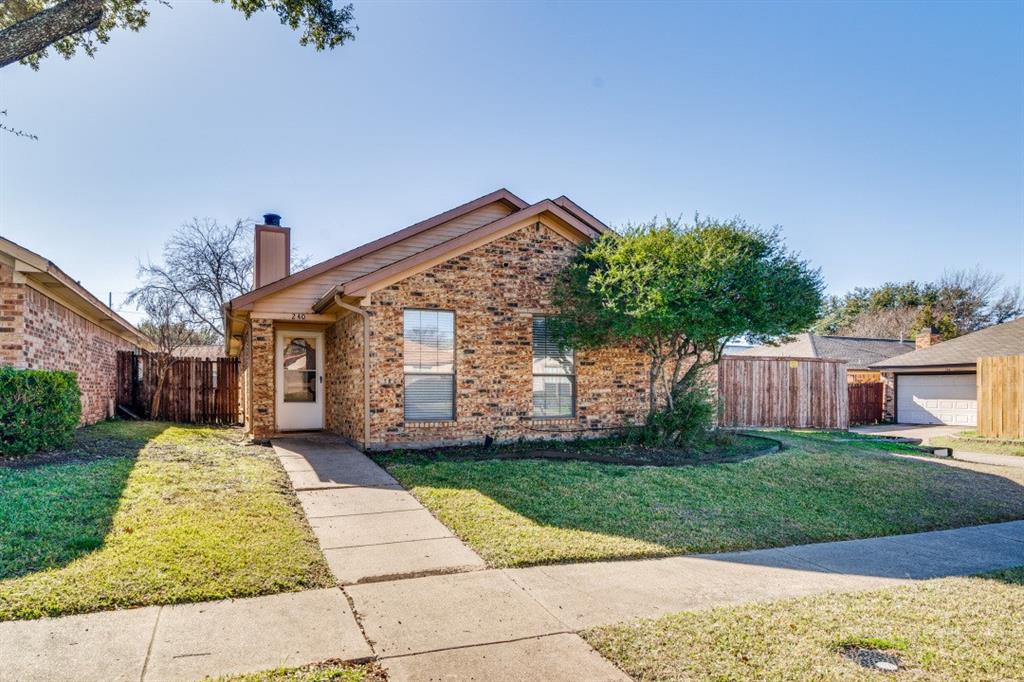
column 369, row 527
column 427, row 606
column 423, row 603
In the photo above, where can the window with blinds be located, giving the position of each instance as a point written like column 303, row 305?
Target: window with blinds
column 429, row 352
column 554, row 375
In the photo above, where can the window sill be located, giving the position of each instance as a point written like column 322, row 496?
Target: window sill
column 554, row 420
column 426, row 424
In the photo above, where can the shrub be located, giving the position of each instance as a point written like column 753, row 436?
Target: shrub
column 686, row 424
column 39, row 409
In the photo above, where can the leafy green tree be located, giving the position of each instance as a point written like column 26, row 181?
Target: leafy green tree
column 29, row 27
column 960, row 302
column 680, row 292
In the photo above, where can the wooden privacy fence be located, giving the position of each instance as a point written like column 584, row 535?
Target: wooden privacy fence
column 784, row 392
column 197, row 390
column 1001, row 397
column 865, row 402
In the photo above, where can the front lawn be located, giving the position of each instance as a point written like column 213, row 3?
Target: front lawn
column 822, row 487
column 946, row 629
column 138, row 513
column 968, row 441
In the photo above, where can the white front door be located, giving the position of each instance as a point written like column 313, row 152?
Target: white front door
column 936, row 399
column 300, row 380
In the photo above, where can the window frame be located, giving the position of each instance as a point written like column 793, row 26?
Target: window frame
column 405, row 395
column 534, row 374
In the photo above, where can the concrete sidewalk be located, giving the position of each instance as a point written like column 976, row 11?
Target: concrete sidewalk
column 183, row 642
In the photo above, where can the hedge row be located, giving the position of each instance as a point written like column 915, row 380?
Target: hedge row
column 39, row 409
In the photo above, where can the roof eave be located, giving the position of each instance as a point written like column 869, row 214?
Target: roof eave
column 502, row 195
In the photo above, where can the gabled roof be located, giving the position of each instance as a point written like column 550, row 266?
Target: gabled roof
column 563, row 210
column 858, row 352
column 360, row 286
column 1001, row 339
column 502, row 195
column 57, row 284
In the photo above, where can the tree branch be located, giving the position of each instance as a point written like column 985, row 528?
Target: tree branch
column 42, row 29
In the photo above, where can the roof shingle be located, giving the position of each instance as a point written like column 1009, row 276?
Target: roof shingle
column 1000, row 339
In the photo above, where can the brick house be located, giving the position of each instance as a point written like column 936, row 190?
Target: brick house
column 49, row 321
column 435, row 334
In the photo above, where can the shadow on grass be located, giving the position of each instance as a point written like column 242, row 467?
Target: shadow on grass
column 56, row 507
column 821, row 489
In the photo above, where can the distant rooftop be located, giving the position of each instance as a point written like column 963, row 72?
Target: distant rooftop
column 1000, row 339
column 858, row 352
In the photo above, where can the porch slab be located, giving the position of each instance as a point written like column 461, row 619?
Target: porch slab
column 446, row 611
column 402, row 560
column 97, row 646
column 378, row 529
column 555, row 657
column 247, row 635
column 355, row 500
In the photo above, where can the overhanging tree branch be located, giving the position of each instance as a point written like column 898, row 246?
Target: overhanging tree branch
column 42, row 29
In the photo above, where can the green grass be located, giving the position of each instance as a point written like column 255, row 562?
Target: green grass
column 320, row 672
column 822, row 487
column 139, row 513
column 946, row 629
column 968, row 441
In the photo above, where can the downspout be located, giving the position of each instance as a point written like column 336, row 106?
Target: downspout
column 366, row 365
column 227, row 340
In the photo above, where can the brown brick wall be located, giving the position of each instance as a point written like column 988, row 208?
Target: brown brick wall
column 12, row 320
column 495, row 290
column 888, row 396
column 262, row 422
column 343, row 376
column 37, row 332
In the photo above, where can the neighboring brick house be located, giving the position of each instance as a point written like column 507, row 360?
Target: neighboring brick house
column 450, row 316
column 49, row 321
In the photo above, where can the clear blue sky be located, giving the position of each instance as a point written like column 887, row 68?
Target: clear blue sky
column 887, row 139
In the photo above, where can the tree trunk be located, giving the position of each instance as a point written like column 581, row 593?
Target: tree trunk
column 43, row 29
column 154, row 404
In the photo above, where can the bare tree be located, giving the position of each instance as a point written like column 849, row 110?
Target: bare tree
column 889, row 323
column 169, row 328
column 205, row 265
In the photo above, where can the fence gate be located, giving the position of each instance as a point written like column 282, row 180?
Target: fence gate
column 196, row 390
column 866, row 402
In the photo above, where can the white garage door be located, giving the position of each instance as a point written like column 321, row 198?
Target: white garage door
column 937, row 399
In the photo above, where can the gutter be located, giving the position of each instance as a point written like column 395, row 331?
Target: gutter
column 366, row 365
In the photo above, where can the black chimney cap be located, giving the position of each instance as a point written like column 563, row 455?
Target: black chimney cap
column 272, row 219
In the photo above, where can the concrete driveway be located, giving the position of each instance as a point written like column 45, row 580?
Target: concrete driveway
column 926, row 432
column 923, row 431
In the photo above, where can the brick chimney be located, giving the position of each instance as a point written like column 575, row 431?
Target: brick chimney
column 927, row 338
column 273, row 250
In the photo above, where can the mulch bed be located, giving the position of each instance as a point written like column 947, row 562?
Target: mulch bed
column 631, row 455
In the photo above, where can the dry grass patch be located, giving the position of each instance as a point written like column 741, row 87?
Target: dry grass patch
column 319, row 672
column 947, row 629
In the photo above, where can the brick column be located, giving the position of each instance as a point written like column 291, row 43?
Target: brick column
column 263, row 422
